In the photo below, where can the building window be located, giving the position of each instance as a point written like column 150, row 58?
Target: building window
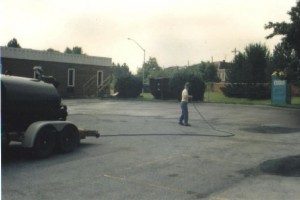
column 71, row 77
column 99, row 78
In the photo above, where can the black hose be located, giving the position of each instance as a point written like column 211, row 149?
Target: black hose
column 166, row 134
column 229, row 134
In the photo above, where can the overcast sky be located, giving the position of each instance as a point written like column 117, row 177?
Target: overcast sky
column 175, row 32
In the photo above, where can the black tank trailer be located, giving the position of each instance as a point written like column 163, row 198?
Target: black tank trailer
column 32, row 113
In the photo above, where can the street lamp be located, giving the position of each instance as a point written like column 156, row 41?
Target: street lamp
column 143, row 61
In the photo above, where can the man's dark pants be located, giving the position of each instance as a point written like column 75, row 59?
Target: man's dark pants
column 185, row 113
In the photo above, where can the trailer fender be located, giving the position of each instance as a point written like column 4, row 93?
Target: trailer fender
column 34, row 128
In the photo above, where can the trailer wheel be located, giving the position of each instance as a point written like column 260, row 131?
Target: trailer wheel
column 44, row 144
column 68, row 139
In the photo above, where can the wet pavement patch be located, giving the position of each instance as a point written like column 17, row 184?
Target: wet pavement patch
column 271, row 129
column 288, row 166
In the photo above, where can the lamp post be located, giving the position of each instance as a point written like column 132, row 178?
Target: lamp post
column 143, row 60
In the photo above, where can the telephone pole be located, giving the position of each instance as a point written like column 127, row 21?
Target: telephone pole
column 235, row 51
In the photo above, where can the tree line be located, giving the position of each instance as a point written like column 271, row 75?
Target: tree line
column 75, row 50
column 253, row 65
column 253, row 68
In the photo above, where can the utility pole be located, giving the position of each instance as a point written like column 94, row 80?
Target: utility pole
column 235, row 52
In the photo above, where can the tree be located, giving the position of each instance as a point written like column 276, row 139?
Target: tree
column 52, row 50
column 282, row 56
column 75, row 50
column 205, row 70
column 196, row 69
column 284, row 59
column 170, row 71
column 119, row 71
column 150, row 69
column 248, row 74
column 68, row 50
column 236, row 74
column 257, row 58
column 13, row 43
column 251, row 66
column 291, row 37
column 289, row 31
column 210, row 73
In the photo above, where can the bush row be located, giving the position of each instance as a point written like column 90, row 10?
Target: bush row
column 162, row 88
column 171, row 88
column 247, row 90
column 128, row 86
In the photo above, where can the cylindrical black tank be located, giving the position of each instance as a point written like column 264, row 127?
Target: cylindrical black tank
column 25, row 100
column 159, row 88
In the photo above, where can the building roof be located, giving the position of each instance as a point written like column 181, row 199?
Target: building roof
column 30, row 54
column 223, row 64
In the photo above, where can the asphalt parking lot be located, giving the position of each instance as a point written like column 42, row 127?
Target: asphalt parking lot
column 234, row 152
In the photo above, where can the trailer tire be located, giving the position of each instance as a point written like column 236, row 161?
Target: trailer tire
column 44, row 144
column 68, row 139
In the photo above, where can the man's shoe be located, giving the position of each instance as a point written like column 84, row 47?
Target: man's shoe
column 180, row 123
column 187, row 124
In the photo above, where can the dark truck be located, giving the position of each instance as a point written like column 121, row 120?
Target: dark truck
column 33, row 114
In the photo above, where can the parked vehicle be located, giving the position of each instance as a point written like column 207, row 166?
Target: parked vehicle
column 33, row 114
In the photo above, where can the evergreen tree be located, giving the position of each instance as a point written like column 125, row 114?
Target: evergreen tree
column 13, row 43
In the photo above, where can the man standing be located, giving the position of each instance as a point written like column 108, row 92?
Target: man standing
column 184, row 118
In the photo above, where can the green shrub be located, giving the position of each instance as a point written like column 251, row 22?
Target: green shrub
column 177, row 82
column 247, row 90
column 129, row 86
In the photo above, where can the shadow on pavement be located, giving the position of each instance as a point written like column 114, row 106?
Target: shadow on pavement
column 287, row 166
column 271, row 129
